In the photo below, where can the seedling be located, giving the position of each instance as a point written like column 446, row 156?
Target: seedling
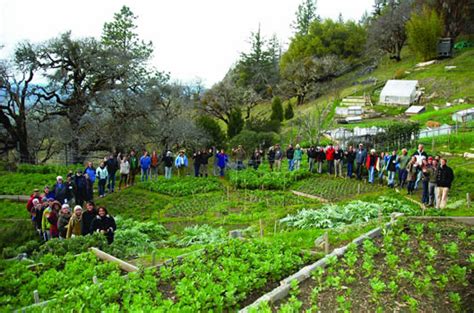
column 451, row 249
column 455, row 299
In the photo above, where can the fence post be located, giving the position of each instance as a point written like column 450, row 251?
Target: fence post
column 468, row 200
column 261, row 228
column 326, row 243
column 36, row 296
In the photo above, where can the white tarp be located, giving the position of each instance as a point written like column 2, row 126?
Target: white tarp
column 402, row 92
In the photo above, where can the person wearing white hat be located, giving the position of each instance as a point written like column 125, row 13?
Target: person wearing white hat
column 74, row 226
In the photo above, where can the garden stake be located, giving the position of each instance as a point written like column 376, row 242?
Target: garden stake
column 380, row 216
column 358, row 189
column 36, row 296
column 94, row 280
column 468, row 200
column 326, row 243
column 261, row 228
column 275, row 227
column 153, row 258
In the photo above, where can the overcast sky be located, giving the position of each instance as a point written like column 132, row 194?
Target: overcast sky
column 192, row 38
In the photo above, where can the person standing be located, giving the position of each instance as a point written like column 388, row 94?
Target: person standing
column 60, row 190
column 443, row 182
column 298, row 157
column 380, row 167
column 392, row 168
column 112, row 168
column 412, row 173
column 69, row 187
column 433, row 170
column 197, row 160
column 350, row 156
column 102, row 175
column 181, row 163
column 90, row 170
column 320, row 157
column 371, row 162
column 154, row 165
column 87, row 218
column 63, row 221
column 239, row 157
column 271, row 157
column 256, row 159
column 338, row 160
column 80, row 187
column 89, row 189
column 420, row 155
column 75, row 223
column 124, row 171
column 311, row 158
column 145, row 163
column 52, row 219
column 34, row 195
column 361, row 156
column 402, row 168
column 278, row 157
column 330, row 152
column 222, row 160
column 290, row 154
column 105, row 224
column 133, row 160
column 204, row 168
column 168, row 162
column 425, row 180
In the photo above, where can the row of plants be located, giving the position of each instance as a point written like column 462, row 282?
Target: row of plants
column 264, row 179
column 182, row 186
column 335, row 189
column 336, row 215
column 51, row 277
column 218, row 278
column 416, row 267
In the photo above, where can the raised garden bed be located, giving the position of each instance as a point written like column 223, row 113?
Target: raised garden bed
column 418, row 266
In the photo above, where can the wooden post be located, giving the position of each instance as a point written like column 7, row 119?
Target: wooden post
column 468, row 200
column 380, row 215
column 261, row 228
column 326, row 243
column 153, row 258
column 36, row 296
column 107, row 257
column 358, row 188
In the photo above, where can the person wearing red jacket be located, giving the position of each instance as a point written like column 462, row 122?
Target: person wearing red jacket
column 330, row 152
column 370, row 163
column 34, row 195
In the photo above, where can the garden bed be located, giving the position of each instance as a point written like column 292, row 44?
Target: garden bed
column 416, row 266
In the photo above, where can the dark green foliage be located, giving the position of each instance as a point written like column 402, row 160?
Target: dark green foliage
column 236, row 123
column 211, row 127
column 262, row 125
column 15, row 236
column 423, row 30
column 277, row 109
column 182, row 186
column 251, row 140
column 289, row 111
column 397, row 136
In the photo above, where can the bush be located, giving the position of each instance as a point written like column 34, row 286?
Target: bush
column 250, row 140
column 262, row 125
column 424, row 30
column 289, row 113
column 277, row 110
column 236, row 123
column 212, row 129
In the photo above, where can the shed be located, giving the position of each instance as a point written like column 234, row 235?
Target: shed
column 415, row 109
column 399, row 92
column 464, row 116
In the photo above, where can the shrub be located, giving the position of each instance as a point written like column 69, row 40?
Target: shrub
column 236, row 123
column 423, row 31
column 250, row 140
column 262, row 125
column 277, row 109
column 289, row 113
column 212, row 129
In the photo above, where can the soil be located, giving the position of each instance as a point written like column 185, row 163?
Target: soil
column 361, row 298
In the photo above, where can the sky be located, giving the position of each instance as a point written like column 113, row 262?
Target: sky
column 193, row 39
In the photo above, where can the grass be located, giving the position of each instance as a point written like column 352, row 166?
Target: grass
column 13, row 210
column 442, row 116
column 23, row 184
column 453, row 143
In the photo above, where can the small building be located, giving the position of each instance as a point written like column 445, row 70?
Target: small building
column 400, row 92
column 367, row 131
column 464, row 116
column 349, row 111
column 353, row 119
column 428, row 132
column 340, row 133
column 415, row 109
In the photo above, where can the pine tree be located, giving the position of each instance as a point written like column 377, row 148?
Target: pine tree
column 289, row 111
column 277, row 109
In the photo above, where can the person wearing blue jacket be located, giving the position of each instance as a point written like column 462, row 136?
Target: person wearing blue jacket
column 181, row 163
column 90, row 170
column 145, row 164
column 222, row 160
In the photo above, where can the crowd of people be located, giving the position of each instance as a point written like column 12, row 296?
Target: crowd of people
column 53, row 217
